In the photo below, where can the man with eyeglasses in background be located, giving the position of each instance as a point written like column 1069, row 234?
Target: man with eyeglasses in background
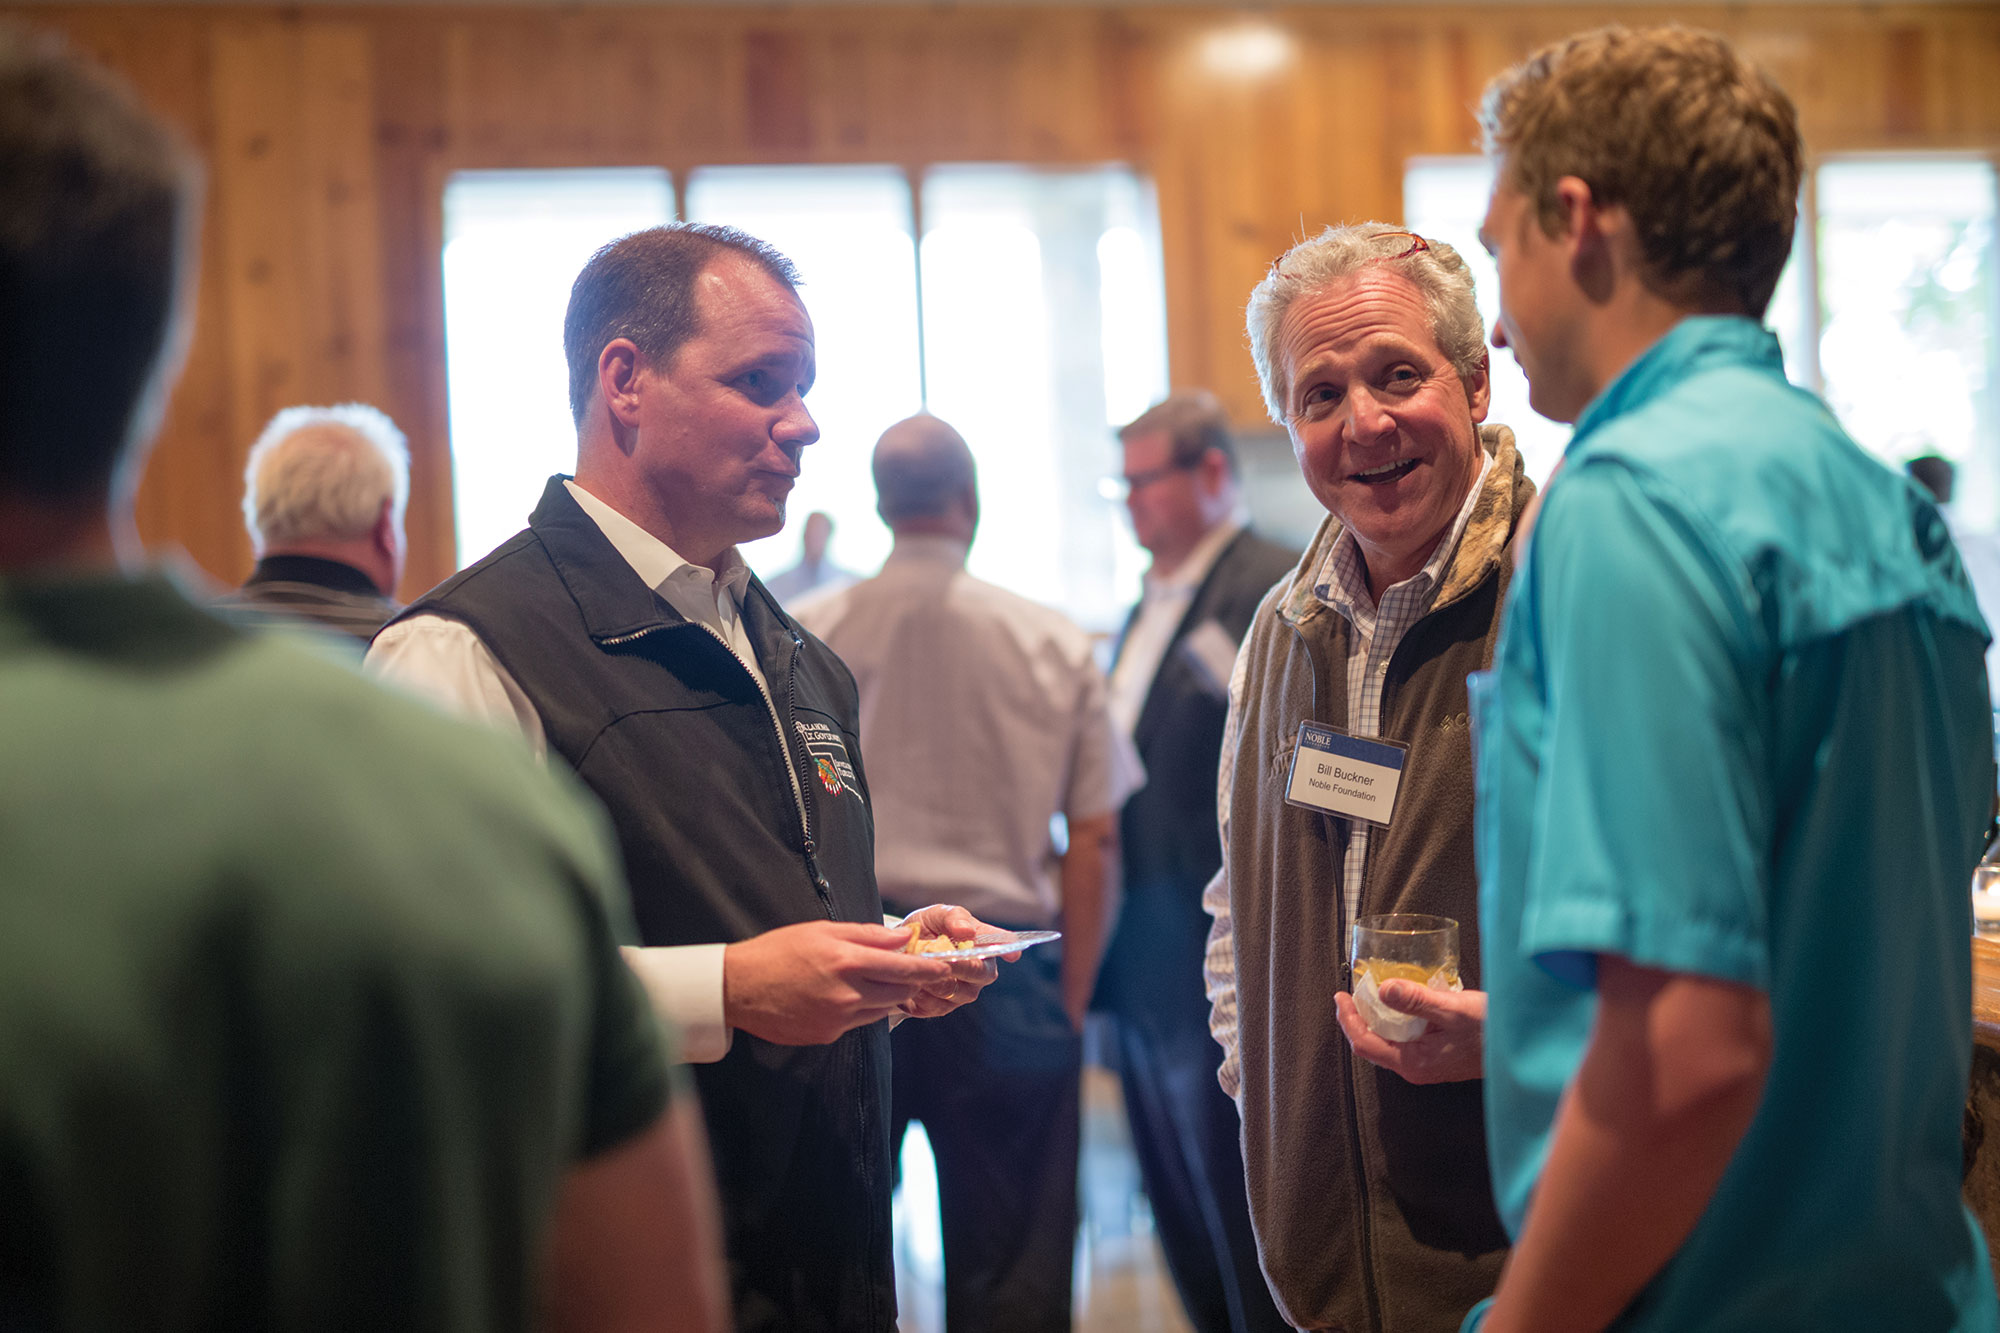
column 1367, row 1176
column 1169, row 691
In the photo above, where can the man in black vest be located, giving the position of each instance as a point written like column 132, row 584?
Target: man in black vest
column 1170, row 688
column 622, row 632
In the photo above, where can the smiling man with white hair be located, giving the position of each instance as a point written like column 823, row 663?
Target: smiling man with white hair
column 1365, row 1159
column 323, row 497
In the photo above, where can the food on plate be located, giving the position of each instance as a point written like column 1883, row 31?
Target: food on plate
column 922, row 943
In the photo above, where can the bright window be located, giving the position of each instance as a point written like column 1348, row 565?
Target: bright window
column 513, row 243
column 1042, row 328
column 848, row 230
column 1895, row 323
column 1042, row 325
column 1907, row 303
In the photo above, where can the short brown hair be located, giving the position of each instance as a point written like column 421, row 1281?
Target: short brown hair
column 1700, row 146
column 642, row 287
column 1193, row 421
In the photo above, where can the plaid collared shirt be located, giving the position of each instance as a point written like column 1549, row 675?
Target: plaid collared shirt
column 1378, row 628
column 1342, row 583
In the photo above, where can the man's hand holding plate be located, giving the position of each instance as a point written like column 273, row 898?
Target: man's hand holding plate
column 806, row 984
column 968, row 977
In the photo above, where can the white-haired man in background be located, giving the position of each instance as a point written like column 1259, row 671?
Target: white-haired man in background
column 323, row 497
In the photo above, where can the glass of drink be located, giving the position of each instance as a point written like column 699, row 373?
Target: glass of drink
column 1986, row 892
column 1407, row 947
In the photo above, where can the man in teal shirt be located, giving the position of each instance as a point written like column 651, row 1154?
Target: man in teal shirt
column 1733, row 763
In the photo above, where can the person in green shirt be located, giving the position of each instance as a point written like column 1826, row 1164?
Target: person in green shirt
column 311, row 1009
column 1733, row 763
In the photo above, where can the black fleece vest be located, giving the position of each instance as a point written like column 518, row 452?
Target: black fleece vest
column 671, row 731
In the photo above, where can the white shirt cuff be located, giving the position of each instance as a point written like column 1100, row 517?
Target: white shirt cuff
column 685, row 986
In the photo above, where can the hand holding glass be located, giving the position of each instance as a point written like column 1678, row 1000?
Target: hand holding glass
column 1407, row 947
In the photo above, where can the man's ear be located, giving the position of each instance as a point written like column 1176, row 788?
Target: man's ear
column 1593, row 234
column 1575, row 203
column 1479, row 388
column 382, row 536
column 387, row 539
column 618, row 372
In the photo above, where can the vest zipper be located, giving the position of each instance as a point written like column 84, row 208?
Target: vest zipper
column 819, row 881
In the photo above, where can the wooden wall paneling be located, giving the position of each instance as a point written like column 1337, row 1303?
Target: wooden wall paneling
column 636, row 91
column 1954, row 87
column 1181, row 192
column 258, row 176
column 1291, row 141
column 191, row 484
column 1447, row 92
column 842, row 111
column 1252, row 143
column 503, row 79
column 189, row 494
column 1061, row 98
column 411, row 140
column 704, row 85
column 1788, row 58
column 1976, row 55
column 1848, row 92
column 330, row 133
column 976, row 104
column 337, row 209
column 776, row 94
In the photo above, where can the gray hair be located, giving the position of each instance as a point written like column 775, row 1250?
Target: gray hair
column 1437, row 272
column 322, row 473
column 921, row 465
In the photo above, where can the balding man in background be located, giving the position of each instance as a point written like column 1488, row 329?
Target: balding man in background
column 983, row 715
column 323, row 497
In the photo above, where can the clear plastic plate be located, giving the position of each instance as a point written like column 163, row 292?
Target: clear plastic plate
column 993, row 943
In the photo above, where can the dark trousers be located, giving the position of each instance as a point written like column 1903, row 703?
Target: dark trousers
column 1188, row 1138
column 997, row 1086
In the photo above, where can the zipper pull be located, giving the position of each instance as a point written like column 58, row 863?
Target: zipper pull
column 820, row 885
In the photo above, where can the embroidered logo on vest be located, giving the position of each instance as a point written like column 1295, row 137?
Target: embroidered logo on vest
column 829, row 755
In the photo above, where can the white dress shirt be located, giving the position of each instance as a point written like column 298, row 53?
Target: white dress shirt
column 982, row 715
column 1378, row 627
column 1163, row 604
column 445, row 661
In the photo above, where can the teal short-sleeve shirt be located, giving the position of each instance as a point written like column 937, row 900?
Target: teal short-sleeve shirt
column 1737, row 727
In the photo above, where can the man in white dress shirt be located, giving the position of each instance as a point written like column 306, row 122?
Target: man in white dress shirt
column 984, row 715
column 622, row 632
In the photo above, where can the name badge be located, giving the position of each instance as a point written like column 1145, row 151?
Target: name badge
column 1350, row 776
